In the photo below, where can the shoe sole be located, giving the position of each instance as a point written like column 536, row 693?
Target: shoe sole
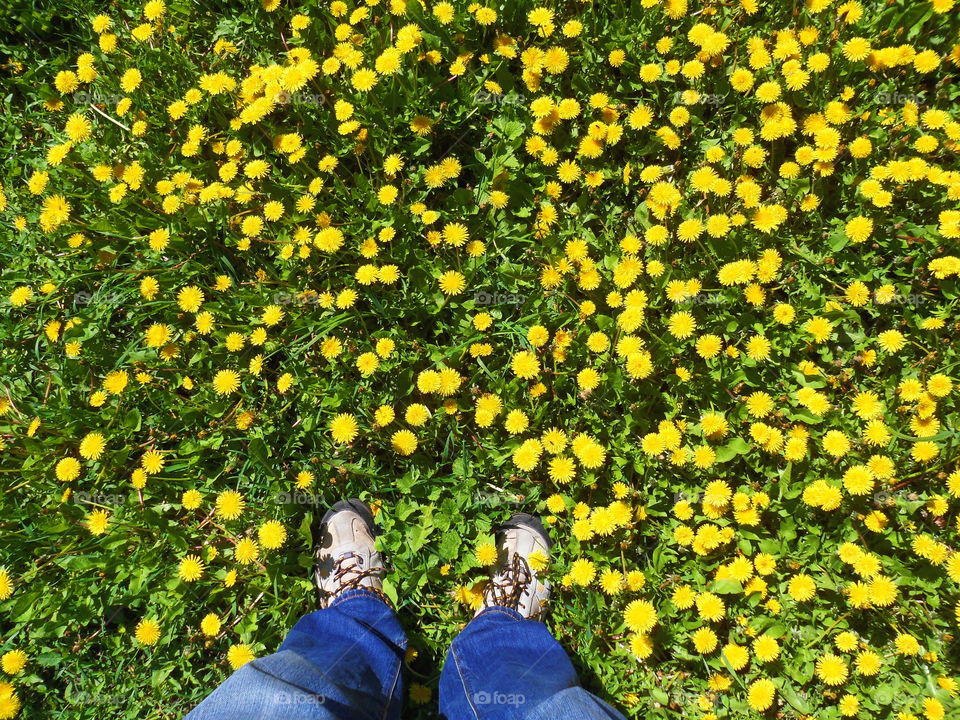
column 522, row 520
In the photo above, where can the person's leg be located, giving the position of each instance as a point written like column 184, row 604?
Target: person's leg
column 343, row 662
column 505, row 663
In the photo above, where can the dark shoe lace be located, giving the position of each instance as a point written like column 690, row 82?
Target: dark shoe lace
column 506, row 588
column 341, row 571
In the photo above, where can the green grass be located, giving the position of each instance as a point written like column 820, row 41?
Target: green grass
column 78, row 596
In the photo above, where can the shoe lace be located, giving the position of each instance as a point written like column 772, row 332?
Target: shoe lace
column 506, row 588
column 348, row 576
column 341, row 571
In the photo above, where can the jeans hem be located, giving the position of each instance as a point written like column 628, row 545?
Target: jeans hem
column 354, row 594
column 509, row 612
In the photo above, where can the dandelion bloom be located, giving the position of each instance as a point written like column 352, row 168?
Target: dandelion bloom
column 230, row 504
column 525, row 365
column 246, row 551
column 98, row 522
column 343, row 428
column 239, row 655
column 831, row 669
column 191, row 568
column 640, row 616
column 452, row 283
column 68, row 469
column 486, row 554
column 92, row 446
column 210, row 625
column 147, row 632
column 404, row 442
column 13, row 662
column 272, row 534
column 226, row 382
column 6, row 584
column 761, row 694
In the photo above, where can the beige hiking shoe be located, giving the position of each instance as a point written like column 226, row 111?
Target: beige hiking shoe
column 347, row 557
column 514, row 583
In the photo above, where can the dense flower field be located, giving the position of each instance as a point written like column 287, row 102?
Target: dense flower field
column 680, row 277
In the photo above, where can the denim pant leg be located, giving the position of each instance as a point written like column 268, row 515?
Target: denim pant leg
column 340, row 663
column 502, row 667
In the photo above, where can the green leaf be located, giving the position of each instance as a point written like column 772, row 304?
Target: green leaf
column 727, row 587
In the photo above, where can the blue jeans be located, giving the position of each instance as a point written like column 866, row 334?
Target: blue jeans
column 345, row 663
